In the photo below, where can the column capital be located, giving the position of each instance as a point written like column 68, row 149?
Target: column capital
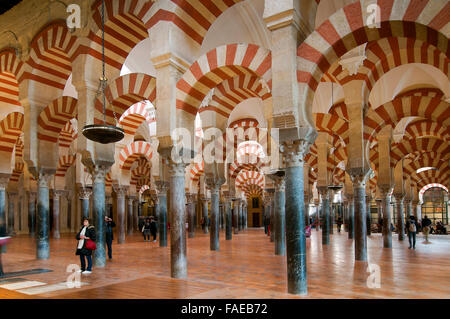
column 4, row 179
column 162, row 186
column 359, row 175
column 177, row 169
column 32, row 196
column 385, row 190
column 293, row 152
column 44, row 178
column 190, row 198
column 99, row 172
column 58, row 192
column 121, row 190
column 399, row 196
column 323, row 191
column 84, row 192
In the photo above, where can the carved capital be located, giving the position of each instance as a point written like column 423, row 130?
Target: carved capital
column 399, row 196
column 84, row 192
column 4, row 179
column 385, row 190
column 44, row 179
column 32, row 196
column 99, row 173
column 177, row 169
column 162, row 187
column 293, row 152
column 359, row 176
column 121, row 191
column 190, row 198
column 57, row 193
column 323, row 191
column 12, row 196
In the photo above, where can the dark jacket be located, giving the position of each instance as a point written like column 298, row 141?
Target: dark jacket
column 153, row 227
column 409, row 223
column 147, row 225
column 426, row 222
column 90, row 232
column 109, row 230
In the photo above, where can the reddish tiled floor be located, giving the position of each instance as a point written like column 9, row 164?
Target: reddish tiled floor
column 243, row 268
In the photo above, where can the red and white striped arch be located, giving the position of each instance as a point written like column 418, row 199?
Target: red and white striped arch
column 430, row 92
column 51, row 56
column 339, row 110
column 143, row 189
column 65, row 161
column 55, row 116
column 132, row 152
column 193, row 17
column 427, row 187
column 141, row 172
column 10, row 130
column 197, row 170
column 218, row 65
column 250, row 178
column 388, row 53
column 67, row 135
column 433, row 176
column 135, row 116
column 428, row 159
column 124, row 92
column 332, row 124
column 392, row 112
column 347, row 28
column 424, row 128
column 124, row 29
column 17, row 172
column 245, row 123
column 10, row 68
column 406, row 147
column 233, row 91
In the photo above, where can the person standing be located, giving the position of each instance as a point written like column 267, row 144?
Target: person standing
column 153, row 228
column 146, row 229
column 87, row 232
column 109, row 235
column 339, row 224
column 411, row 227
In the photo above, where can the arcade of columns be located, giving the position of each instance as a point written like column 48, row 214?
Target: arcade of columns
column 320, row 71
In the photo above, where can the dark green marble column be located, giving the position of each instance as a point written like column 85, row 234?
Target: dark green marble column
column 400, row 222
column 162, row 202
column 214, row 236
column 351, row 217
column 235, row 215
column 190, row 214
column 205, row 214
column 98, row 210
column 360, row 212
column 43, row 227
column 324, row 194
column 386, row 215
column 121, row 192
column 280, row 216
column 228, row 220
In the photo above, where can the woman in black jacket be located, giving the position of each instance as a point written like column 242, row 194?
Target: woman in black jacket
column 86, row 232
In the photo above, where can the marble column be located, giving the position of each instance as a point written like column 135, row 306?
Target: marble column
column 205, row 214
column 293, row 154
column 4, row 178
column 32, row 213
column 235, row 215
column 69, row 210
column 42, row 240
column 387, row 219
column 191, row 214
column 379, row 214
column 272, row 221
column 415, row 209
column 214, row 236
column 351, row 217
column 360, row 214
column 56, row 211
column 345, row 214
column 306, row 210
column 98, row 209
column 400, row 222
column 136, row 214
column 228, row 219
column 130, row 216
column 178, row 259
column 162, row 202
column 222, row 219
column 369, row 215
column 245, row 216
column 121, row 192
column 11, row 210
column 83, row 194
column 279, row 215
column 332, row 213
column 408, row 208
column 325, row 194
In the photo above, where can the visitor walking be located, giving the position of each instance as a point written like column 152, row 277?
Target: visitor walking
column 339, row 224
column 146, row 229
column 86, row 233
column 411, row 227
column 109, row 235
column 153, row 228
column 426, row 224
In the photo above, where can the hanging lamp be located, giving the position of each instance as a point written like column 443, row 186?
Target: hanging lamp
column 103, row 133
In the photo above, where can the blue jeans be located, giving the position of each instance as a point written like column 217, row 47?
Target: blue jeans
column 412, row 238
column 83, row 262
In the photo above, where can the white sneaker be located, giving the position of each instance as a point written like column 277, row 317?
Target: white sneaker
column 154, row 241
column 79, row 271
column 86, row 272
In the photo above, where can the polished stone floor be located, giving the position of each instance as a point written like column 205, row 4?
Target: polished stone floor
column 245, row 267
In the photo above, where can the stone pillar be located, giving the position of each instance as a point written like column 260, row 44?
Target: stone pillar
column 324, row 194
column 408, row 208
column 4, row 178
column 272, row 221
column 332, row 213
column 32, row 213
column 214, row 187
column 121, row 192
column 69, row 196
column 293, row 154
column 178, row 260
column 387, row 219
column 42, row 240
column 369, row 216
column 98, row 197
column 162, row 201
column 280, row 216
column 191, row 214
column 415, row 209
column 130, row 216
column 56, row 211
column 228, row 218
column 400, row 222
column 83, row 194
column 11, row 210
column 136, row 214
column 205, row 214
column 235, row 215
column 379, row 213
column 360, row 213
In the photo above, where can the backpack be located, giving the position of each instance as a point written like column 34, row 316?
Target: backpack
column 412, row 227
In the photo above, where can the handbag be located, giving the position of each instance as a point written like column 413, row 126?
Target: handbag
column 91, row 245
